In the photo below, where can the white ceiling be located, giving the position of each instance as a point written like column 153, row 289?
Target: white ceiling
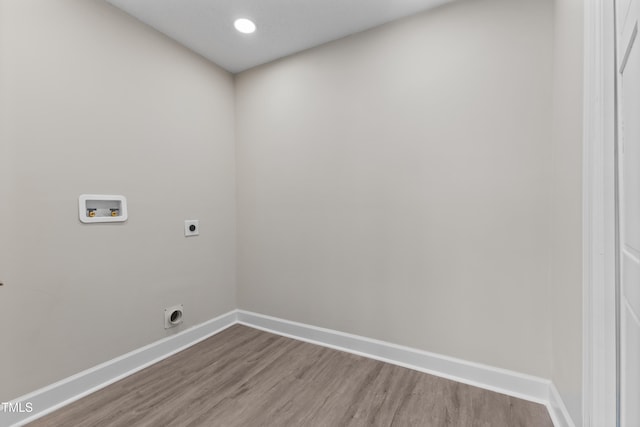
column 284, row 26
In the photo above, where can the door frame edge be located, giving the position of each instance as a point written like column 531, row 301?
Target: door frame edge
column 599, row 221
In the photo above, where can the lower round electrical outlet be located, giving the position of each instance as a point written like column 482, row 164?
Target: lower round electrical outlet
column 173, row 316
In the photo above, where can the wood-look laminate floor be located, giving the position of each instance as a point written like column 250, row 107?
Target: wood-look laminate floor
column 246, row 377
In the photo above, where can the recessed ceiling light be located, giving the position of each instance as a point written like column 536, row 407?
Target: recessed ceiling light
column 244, row 25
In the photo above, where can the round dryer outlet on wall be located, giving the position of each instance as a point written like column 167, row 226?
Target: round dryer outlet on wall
column 173, row 316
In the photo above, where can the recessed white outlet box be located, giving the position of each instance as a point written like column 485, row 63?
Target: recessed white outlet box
column 173, row 316
column 191, row 227
column 102, row 208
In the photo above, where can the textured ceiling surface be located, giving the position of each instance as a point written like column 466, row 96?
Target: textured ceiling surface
column 284, row 26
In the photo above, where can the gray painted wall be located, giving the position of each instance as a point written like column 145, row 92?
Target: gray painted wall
column 93, row 102
column 565, row 292
column 396, row 184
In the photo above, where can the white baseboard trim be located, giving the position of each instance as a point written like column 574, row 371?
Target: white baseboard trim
column 70, row 389
column 503, row 381
column 557, row 409
column 61, row 393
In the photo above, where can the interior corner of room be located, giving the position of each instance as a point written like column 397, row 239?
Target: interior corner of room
column 412, row 192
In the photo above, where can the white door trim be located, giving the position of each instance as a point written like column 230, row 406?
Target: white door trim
column 599, row 217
